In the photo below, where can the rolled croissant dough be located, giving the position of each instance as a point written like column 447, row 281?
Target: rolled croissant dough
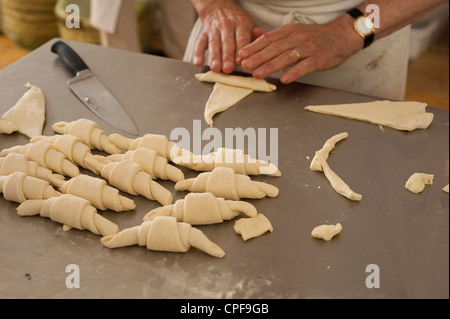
column 402, row 115
column 326, row 232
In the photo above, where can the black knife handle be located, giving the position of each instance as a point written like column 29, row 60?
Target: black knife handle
column 69, row 56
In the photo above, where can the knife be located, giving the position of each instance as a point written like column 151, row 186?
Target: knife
column 88, row 88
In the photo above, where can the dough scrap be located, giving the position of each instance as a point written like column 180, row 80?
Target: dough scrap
column 222, row 98
column 96, row 191
column 7, row 127
column 71, row 211
column 45, row 155
column 164, row 233
column 252, row 227
column 224, row 182
column 326, row 232
column 157, row 142
column 237, row 80
column 152, row 163
column 403, row 115
column 19, row 187
column 446, row 189
column 203, row 209
column 15, row 162
column 29, row 112
column 89, row 132
column 417, row 181
column 225, row 157
column 130, row 177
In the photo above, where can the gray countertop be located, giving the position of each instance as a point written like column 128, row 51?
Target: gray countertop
column 404, row 234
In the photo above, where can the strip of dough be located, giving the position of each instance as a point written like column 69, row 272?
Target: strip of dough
column 29, row 112
column 203, row 209
column 403, row 115
column 222, row 98
column 164, row 233
column 326, row 232
column 326, row 149
column 417, row 181
column 336, row 182
column 236, row 80
column 252, row 227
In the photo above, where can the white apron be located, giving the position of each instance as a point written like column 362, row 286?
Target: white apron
column 379, row 70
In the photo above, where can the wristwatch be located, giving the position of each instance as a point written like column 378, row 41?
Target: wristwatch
column 363, row 26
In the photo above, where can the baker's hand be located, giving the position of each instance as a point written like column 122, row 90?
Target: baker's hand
column 227, row 28
column 303, row 48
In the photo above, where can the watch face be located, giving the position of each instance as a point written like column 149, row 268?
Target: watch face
column 364, row 25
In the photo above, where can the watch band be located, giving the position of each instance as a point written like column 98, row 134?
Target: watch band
column 355, row 13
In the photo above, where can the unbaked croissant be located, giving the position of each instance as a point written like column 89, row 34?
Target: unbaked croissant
column 164, row 233
column 159, row 143
column 96, row 191
column 15, row 162
column 70, row 145
column 203, row 209
column 224, row 182
column 155, row 165
column 7, row 127
column 19, row 187
column 45, row 155
column 89, row 132
column 225, row 157
column 71, row 211
column 130, row 177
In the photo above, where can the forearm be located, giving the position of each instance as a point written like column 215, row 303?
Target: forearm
column 395, row 14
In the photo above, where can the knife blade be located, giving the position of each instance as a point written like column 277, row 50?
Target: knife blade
column 91, row 92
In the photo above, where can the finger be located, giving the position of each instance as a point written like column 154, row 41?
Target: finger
column 257, row 32
column 214, row 50
column 302, row 68
column 228, row 50
column 243, row 37
column 279, row 62
column 200, row 49
column 270, row 52
column 263, row 41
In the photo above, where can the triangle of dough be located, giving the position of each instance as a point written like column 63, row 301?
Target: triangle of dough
column 222, row 98
column 29, row 112
column 402, row 115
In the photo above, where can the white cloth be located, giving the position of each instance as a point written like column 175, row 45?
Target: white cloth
column 379, row 70
column 105, row 14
